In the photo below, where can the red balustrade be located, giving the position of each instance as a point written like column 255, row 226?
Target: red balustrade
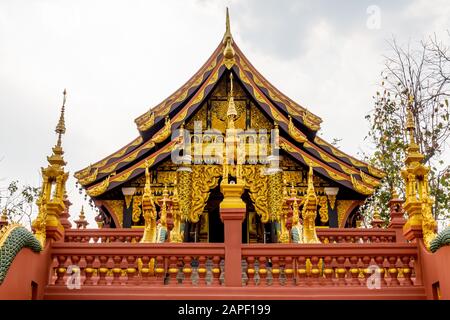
column 342, row 264
column 138, row 264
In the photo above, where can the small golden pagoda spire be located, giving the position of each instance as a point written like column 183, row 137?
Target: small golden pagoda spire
column 149, row 209
column 418, row 202
column 81, row 222
column 61, row 126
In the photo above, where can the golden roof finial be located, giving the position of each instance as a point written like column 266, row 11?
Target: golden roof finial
column 227, row 35
column 61, row 126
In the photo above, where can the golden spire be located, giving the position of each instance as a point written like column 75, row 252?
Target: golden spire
column 61, row 126
column 410, row 125
column 227, row 35
column 231, row 112
column 82, row 216
column 228, row 52
column 81, row 222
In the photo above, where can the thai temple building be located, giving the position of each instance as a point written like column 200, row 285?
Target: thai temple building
column 227, row 192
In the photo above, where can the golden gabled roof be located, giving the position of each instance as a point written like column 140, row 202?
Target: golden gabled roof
column 297, row 123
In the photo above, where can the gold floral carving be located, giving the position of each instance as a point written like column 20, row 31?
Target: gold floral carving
column 204, row 178
column 98, row 189
column 256, row 183
column 116, row 206
column 342, row 207
column 136, row 212
column 323, row 211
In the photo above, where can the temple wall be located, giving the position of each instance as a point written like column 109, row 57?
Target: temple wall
column 27, row 276
column 436, row 272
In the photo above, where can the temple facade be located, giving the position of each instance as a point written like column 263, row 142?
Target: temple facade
column 227, row 192
column 228, row 122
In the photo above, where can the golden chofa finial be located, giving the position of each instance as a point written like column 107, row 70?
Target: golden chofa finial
column 227, row 35
column 61, row 126
column 228, row 52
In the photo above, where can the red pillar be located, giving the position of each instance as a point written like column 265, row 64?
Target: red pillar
column 397, row 218
column 232, row 213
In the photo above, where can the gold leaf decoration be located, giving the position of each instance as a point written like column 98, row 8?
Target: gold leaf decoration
column 89, row 179
column 296, row 134
column 99, row 189
column 360, row 187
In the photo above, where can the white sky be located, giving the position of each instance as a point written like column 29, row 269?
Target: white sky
column 119, row 58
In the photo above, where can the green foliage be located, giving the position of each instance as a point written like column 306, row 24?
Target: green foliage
column 424, row 74
column 18, row 200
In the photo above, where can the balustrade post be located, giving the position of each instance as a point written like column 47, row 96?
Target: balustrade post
column 251, row 271
column 354, row 272
column 275, row 271
column 160, row 271
column 406, row 271
column 145, row 270
column 315, row 271
column 341, row 271
column 232, row 213
column 61, row 270
column 116, row 271
column 201, row 271
column 131, row 271
column 262, row 271
column 216, row 271
column 173, row 271
column 393, row 272
column 187, row 271
column 89, row 271
column 328, row 271
column 397, row 218
column 301, row 271
column 102, row 271
column 289, row 271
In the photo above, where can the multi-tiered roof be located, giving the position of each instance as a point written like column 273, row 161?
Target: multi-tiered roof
column 298, row 129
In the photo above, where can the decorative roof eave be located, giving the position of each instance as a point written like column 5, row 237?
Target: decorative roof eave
column 330, row 149
column 353, row 182
column 146, row 121
column 82, row 174
column 282, row 101
column 175, row 123
column 113, row 181
column 272, row 111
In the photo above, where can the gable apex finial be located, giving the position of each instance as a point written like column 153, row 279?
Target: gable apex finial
column 227, row 35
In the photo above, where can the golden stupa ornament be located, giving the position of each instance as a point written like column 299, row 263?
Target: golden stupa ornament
column 51, row 200
column 228, row 52
column 418, row 203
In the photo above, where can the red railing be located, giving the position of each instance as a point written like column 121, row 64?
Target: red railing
column 331, row 264
column 133, row 264
column 328, row 235
column 201, row 264
column 103, row 235
column 356, row 235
